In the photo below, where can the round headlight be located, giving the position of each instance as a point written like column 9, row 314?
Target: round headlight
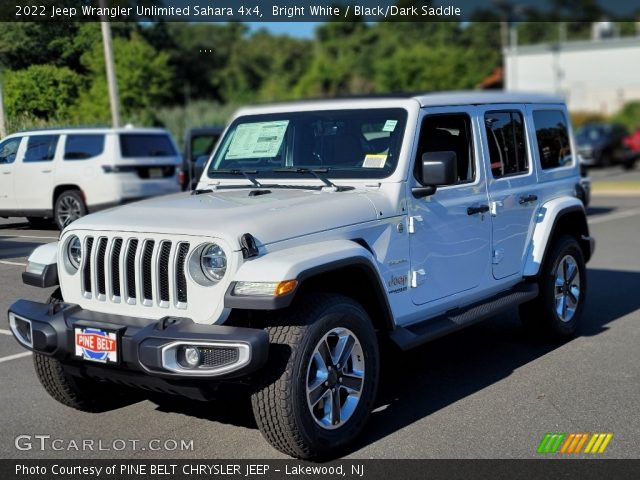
column 213, row 262
column 74, row 252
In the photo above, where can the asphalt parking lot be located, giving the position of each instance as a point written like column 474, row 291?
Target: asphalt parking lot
column 485, row 392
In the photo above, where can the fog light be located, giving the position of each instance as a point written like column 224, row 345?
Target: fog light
column 189, row 357
column 21, row 329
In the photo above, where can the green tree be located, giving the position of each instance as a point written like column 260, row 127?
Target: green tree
column 263, row 67
column 42, row 91
column 143, row 75
column 425, row 68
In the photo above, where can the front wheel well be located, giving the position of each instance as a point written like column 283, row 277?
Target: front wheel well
column 358, row 282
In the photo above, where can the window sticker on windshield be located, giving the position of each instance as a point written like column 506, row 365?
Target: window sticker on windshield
column 257, row 140
column 372, row 160
column 389, row 125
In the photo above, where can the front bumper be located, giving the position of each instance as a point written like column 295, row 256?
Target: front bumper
column 144, row 346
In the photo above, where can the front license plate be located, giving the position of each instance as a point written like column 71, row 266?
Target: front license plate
column 155, row 173
column 96, row 345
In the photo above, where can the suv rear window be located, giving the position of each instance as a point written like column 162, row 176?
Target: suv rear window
column 81, row 147
column 553, row 138
column 41, row 148
column 146, row 145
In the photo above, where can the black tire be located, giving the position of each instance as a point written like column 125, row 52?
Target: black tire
column 280, row 404
column 629, row 164
column 75, row 392
column 606, row 159
column 69, row 206
column 540, row 316
column 40, row 223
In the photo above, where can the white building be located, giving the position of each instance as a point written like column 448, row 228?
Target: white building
column 594, row 75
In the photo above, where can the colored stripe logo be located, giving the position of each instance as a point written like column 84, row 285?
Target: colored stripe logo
column 573, row 443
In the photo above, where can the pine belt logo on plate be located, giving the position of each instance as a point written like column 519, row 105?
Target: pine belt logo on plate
column 573, row 443
column 97, row 345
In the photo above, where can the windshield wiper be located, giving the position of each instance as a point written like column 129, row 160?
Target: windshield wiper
column 248, row 174
column 315, row 172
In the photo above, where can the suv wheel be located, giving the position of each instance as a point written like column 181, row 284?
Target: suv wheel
column 320, row 384
column 563, row 282
column 75, row 392
column 68, row 208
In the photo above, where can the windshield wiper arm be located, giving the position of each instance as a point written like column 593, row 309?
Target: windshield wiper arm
column 236, row 171
column 315, row 172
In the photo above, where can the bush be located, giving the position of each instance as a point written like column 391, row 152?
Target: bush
column 41, row 91
column 629, row 116
column 196, row 114
column 582, row 118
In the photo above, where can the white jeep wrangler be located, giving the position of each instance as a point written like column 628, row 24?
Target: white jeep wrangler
column 315, row 229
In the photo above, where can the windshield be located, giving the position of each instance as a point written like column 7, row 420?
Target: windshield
column 343, row 143
column 591, row 133
column 202, row 145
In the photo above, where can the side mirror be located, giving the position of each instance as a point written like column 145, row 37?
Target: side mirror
column 438, row 169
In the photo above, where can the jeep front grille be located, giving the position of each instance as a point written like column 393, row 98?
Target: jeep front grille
column 135, row 271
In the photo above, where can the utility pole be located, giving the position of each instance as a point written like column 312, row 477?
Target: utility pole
column 3, row 127
column 112, row 83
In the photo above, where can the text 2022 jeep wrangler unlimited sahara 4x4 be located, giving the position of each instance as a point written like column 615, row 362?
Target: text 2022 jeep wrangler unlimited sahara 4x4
column 316, row 228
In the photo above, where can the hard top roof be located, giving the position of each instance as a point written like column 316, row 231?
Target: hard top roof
column 484, row 97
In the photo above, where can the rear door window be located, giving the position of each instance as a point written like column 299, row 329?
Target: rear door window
column 81, row 147
column 41, row 148
column 552, row 135
column 506, row 140
column 133, row 145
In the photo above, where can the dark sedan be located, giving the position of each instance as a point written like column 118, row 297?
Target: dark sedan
column 601, row 144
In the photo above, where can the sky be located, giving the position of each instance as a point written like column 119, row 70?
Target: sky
column 294, row 29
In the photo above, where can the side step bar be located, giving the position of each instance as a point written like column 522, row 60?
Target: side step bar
column 418, row 333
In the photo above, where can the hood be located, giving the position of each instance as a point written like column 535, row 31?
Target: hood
column 230, row 213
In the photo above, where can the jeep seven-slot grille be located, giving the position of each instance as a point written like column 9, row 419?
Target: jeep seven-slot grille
column 102, row 248
column 136, row 270
column 147, row 286
column 115, row 267
column 87, row 267
column 131, row 268
column 163, row 270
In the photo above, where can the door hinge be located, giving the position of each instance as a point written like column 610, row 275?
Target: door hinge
column 412, row 223
column 495, row 206
column 418, row 277
column 498, row 255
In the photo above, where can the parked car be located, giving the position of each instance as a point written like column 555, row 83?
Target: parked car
column 318, row 228
column 601, row 144
column 632, row 143
column 63, row 174
column 198, row 142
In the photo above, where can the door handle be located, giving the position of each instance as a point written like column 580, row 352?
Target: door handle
column 46, row 171
column 477, row 209
column 527, row 199
column 6, row 173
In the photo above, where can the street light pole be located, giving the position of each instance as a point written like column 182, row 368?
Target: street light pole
column 3, row 127
column 112, row 83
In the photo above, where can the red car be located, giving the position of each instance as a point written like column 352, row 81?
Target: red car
column 633, row 141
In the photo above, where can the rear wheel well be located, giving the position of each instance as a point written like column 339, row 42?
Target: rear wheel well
column 573, row 223
column 63, row 188
column 359, row 283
